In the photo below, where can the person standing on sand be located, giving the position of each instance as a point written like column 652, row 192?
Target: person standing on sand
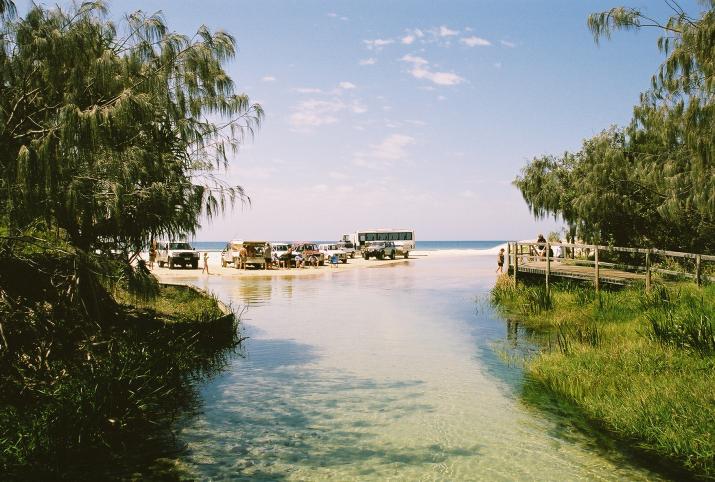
column 152, row 254
column 268, row 255
column 206, row 263
column 242, row 257
column 500, row 261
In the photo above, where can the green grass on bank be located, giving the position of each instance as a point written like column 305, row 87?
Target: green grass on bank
column 176, row 304
column 83, row 398
column 640, row 364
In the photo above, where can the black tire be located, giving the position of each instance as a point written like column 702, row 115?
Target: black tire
column 195, row 265
column 161, row 264
column 322, row 263
column 344, row 260
column 407, row 254
column 366, row 256
column 171, row 263
column 392, row 256
column 380, row 255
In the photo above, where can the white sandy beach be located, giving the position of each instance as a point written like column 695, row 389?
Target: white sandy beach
column 215, row 269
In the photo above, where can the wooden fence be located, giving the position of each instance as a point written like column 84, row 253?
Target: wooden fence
column 581, row 261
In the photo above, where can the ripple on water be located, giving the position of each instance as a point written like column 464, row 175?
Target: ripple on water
column 377, row 374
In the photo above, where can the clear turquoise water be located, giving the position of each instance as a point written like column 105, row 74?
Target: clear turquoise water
column 385, row 373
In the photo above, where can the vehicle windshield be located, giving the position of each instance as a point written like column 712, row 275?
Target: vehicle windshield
column 280, row 247
column 346, row 245
column 180, row 246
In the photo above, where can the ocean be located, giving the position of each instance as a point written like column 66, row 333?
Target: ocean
column 420, row 245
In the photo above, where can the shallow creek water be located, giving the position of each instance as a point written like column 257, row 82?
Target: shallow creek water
column 381, row 373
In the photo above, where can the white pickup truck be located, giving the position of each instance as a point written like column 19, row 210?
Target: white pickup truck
column 173, row 254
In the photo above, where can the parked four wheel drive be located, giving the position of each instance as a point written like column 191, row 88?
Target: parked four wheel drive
column 308, row 251
column 330, row 250
column 255, row 253
column 347, row 247
column 229, row 255
column 173, row 254
column 379, row 249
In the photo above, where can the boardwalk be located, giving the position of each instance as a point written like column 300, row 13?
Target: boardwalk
column 529, row 257
column 565, row 269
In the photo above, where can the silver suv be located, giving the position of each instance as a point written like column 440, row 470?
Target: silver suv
column 174, row 254
column 379, row 249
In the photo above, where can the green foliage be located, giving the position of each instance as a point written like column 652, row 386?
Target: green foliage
column 652, row 182
column 639, row 364
column 686, row 323
column 114, row 137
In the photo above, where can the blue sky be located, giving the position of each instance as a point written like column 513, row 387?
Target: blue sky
column 412, row 113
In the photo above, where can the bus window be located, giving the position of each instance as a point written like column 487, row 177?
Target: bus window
column 406, row 236
column 382, row 236
column 394, row 236
column 370, row 237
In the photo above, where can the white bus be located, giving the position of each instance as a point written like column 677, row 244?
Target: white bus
column 404, row 239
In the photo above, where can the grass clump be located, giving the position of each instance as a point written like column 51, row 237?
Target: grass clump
column 641, row 365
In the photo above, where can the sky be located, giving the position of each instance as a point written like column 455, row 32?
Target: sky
column 412, row 114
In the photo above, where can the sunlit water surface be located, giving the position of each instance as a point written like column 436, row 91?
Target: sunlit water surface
column 383, row 373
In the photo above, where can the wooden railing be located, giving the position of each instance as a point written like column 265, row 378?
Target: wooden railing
column 519, row 252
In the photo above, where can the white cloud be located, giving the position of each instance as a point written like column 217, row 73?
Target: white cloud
column 393, row 148
column 497, row 65
column 347, row 85
column 315, row 113
column 307, row 90
column 474, row 41
column 408, row 39
column 445, row 31
column 256, row 172
column 358, row 108
column 332, row 14
column 368, row 61
column 337, row 175
column 312, row 113
column 421, row 70
column 268, row 78
column 378, row 44
column 506, row 43
column 413, row 59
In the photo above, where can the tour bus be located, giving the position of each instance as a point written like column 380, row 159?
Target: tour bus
column 404, row 239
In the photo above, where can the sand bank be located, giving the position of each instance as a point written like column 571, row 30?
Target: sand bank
column 215, row 269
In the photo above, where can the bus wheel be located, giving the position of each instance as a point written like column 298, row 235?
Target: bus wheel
column 366, row 256
column 392, row 256
column 407, row 254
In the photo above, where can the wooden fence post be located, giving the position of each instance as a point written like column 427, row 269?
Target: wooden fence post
column 698, row 270
column 548, row 266
column 596, row 281
column 508, row 256
column 647, row 270
column 516, row 261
